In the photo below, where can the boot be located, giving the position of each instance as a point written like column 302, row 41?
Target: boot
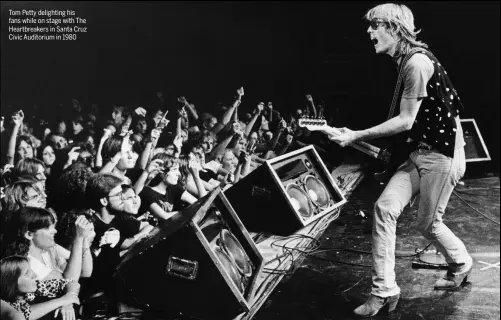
column 372, row 306
column 456, row 275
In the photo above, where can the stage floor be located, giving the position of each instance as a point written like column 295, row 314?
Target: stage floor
column 330, row 284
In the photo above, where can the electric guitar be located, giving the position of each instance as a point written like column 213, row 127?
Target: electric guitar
column 382, row 155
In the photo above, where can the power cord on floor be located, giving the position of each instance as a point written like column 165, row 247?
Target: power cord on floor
column 469, row 205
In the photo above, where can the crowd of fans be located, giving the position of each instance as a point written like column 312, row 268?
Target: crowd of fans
column 80, row 188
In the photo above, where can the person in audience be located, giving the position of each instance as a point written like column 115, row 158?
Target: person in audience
column 23, row 193
column 47, row 154
column 168, row 191
column 20, row 290
column 31, row 234
column 115, row 205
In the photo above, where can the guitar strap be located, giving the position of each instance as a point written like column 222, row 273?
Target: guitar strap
column 399, row 80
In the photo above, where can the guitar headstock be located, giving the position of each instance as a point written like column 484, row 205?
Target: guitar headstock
column 312, row 124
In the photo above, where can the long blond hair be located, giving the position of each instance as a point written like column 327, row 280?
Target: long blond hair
column 401, row 21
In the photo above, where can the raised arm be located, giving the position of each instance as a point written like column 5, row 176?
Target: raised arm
column 11, row 149
column 229, row 113
column 221, row 146
column 250, row 125
column 99, row 157
column 311, row 105
column 270, row 116
column 73, row 269
column 153, row 168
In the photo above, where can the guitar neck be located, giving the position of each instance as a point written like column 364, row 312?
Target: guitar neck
column 359, row 145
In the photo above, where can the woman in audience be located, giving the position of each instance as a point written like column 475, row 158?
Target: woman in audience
column 23, row 193
column 169, row 190
column 47, row 155
column 20, row 289
column 31, row 234
column 30, row 168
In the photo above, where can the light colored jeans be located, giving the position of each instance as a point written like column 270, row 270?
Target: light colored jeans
column 433, row 176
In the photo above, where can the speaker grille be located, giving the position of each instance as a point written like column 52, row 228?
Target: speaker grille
column 235, row 250
column 317, row 191
column 299, row 200
column 229, row 267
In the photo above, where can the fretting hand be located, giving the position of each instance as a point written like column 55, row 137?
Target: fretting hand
column 344, row 138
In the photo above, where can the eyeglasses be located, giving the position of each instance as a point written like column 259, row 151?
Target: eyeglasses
column 38, row 196
column 123, row 194
column 40, row 177
column 376, row 23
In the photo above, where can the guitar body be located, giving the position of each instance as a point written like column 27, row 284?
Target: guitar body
column 399, row 150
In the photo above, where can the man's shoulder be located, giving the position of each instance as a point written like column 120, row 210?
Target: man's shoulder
column 420, row 60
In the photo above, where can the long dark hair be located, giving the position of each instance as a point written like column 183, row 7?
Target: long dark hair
column 168, row 162
column 10, row 271
column 26, row 219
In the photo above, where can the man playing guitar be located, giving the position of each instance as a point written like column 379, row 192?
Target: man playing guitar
column 429, row 109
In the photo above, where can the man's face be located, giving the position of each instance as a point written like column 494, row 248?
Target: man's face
column 384, row 42
column 123, row 198
column 60, row 142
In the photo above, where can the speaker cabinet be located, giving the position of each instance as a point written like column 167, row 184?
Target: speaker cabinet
column 201, row 263
column 475, row 148
column 286, row 193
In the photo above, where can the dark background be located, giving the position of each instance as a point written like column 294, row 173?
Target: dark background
column 278, row 51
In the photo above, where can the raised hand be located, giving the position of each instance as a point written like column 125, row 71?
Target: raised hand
column 162, row 123
column 83, row 227
column 240, row 91
column 178, row 142
column 235, row 128
column 194, row 167
column 73, row 154
column 182, row 100
column 260, row 107
column 106, row 134
column 183, row 113
column 155, row 134
column 18, row 118
column 309, row 98
column 140, row 111
column 282, row 124
column 155, row 166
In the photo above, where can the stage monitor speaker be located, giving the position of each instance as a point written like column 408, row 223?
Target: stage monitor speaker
column 475, row 149
column 201, row 263
column 286, row 193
